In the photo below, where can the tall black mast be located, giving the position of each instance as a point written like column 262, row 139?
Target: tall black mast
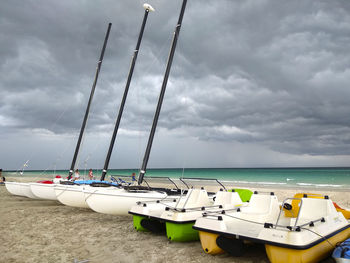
column 162, row 92
column 98, row 68
column 131, row 71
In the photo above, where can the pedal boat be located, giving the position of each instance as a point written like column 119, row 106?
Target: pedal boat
column 308, row 236
column 179, row 217
column 146, row 214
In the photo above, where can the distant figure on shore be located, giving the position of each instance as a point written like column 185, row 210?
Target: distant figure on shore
column 133, row 177
column 2, row 178
column 76, row 175
column 91, row 175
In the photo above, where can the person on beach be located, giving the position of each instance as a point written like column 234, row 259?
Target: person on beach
column 76, row 175
column 133, row 177
column 91, row 175
column 2, row 178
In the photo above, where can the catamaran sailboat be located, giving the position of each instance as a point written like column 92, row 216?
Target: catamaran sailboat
column 46, row 189
column 119, row 201
column 73, row 194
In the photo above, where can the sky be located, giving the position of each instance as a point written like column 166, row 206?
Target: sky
column 254, row 83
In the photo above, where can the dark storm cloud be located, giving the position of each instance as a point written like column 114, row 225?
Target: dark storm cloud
column 271, row 73
column 277, row 74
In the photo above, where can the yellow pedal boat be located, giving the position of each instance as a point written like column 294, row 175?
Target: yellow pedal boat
column 308, row 233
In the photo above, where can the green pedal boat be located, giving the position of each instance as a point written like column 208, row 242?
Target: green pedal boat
column 177, row 216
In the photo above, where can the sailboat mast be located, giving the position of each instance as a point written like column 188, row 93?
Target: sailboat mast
column 98, row 68
column 148, row 8
column 162, row 92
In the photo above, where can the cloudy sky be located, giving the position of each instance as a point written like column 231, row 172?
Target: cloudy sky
column 254, row 83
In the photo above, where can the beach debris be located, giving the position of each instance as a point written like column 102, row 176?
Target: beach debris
column 83, row 261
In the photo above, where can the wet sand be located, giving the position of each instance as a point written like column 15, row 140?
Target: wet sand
column 46, row 231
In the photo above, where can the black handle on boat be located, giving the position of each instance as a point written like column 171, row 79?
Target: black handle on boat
column 99, row 64
column 131, row 71
column 157, row 178
column 201, row 179
column 162, row 92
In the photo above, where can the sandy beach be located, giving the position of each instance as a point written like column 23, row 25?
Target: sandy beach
column 46, row 231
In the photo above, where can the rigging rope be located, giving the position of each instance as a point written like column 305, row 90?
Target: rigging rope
column 31, row 155
column 53, row 164
column 156, row 55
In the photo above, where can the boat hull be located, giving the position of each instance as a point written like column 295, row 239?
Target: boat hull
column 182, row 232
column 137, row 223
column 26, row 191
column 117, row 201
column 71, row 195
column 44, row 191
column 208, row 242
column 14, row 188
column 146, row 215
column 315, row 254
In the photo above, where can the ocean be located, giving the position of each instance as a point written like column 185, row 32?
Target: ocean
column 332, row 178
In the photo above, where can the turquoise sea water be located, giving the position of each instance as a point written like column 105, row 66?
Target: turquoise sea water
column 329, row 178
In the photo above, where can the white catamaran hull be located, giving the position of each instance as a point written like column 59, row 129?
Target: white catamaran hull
column 117, row 201
column 14, row 188
column 21, row 189
column 44, row 191
column 26, row 191
column 71, row 195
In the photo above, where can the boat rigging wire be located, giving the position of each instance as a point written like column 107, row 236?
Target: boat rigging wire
column 53, row 124
column 176, row 33
column 54, row 163
column 147, row 8
column 155, row 59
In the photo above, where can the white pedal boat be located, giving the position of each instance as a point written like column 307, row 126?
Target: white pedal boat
column 303, row 234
